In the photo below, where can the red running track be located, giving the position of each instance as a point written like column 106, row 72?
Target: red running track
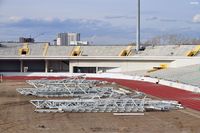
column 187, row 99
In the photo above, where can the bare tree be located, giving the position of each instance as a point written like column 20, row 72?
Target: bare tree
column 172, row 39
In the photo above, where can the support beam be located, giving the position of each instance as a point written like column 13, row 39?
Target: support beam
column 46, row 66
column 96, row 69
column 71, row 66
column 21, row 66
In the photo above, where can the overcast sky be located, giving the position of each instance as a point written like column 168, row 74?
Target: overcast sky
column 98, row 21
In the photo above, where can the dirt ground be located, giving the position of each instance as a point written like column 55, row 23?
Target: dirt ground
column 17, row 116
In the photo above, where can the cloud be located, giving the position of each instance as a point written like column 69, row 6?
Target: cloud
column 104, row 31
column 57, row 24
column 52, row 26
column 162, row 19
column 152, row 18
column 194, row 3
column 185, row 28
column 196, row 18
column 120, row 17
column 15, row 18
column 1, row 2
column 168, row 20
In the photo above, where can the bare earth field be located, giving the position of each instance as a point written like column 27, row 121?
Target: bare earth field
column 17, row 116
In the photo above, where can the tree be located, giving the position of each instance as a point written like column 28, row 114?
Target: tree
column 172, row 39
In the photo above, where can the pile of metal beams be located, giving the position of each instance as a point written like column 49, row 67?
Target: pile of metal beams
column 88, row 96
column 104, row 105
column 70, row 92
column 71, row 81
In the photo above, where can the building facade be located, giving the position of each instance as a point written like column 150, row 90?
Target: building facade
column 73, row 37
column 65, row 39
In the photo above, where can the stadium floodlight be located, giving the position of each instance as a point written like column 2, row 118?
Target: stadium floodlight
column 138, row 27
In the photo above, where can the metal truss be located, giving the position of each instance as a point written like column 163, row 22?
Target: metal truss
column 90, row 105
column 104, row 105
column 161, row 105
column 73, row 87
column 72, row 81
column 72, row 92
column 91, row 98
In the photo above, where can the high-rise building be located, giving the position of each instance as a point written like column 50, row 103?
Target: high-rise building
column 62, row 39
column 73, row 37
column 67, row 38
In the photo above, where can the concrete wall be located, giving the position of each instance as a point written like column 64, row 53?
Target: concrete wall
column 123, row 65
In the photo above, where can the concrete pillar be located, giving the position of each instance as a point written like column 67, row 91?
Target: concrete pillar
column 70, row 66
column 96, row 69
column 21, row 66
column 46, row 66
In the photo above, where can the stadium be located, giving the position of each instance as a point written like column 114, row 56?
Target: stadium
column 73, row 85
column 170, row 72
column 156, row 64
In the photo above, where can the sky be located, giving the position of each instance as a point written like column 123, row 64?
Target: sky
column 98, row 21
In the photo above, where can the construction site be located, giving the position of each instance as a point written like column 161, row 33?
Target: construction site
column 105, row 89
column 112, row 81
column 67, row 105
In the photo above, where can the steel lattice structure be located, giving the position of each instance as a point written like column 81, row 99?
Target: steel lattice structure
column 90, row 105
column 73, row 87
column 91, row 98
column 104, row 105
column 72, row 92
column 72, row 81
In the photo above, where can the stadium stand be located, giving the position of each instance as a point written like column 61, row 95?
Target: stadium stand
column 136, row 73
column 10, row 49
column 76, row 51
column 188, row 75
column 198, row 54
column 194, row 51
column 127, row 51
column 59, row 51
column 40, row 49
column 101, row 50
column 36, row 49
column 166, row 50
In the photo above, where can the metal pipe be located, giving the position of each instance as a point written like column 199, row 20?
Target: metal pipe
column 138, row 27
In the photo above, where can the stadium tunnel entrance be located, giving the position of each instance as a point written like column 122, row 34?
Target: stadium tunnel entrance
column 84, row 69
column 57, row 66
column 33, row 66
column 79, row 69
column 9, row 66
